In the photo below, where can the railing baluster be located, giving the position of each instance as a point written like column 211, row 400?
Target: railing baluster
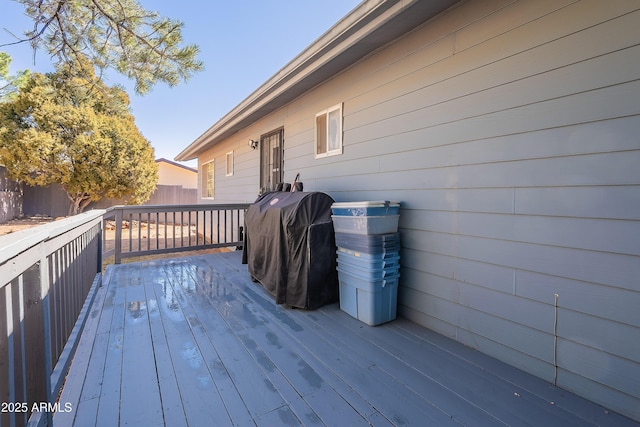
column 44, row 297
column 130, row 227
column 65, row 288
column 139, row 232
column 191, row 227
column 218, row 225
column 226, row 230
column 231, row 229
column 174, row 229
column 197, row 226
column 211, row 226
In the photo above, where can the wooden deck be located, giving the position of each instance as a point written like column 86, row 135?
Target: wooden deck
column 192, row 341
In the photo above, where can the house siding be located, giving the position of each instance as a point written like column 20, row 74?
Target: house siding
column 171, row 175
column 509, row 132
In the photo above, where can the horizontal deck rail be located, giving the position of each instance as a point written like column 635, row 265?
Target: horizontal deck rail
column 133, row 231
column 46, row 276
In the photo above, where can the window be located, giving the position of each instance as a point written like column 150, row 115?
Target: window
column 329, row 132
column 207, row 174
column 229, row 170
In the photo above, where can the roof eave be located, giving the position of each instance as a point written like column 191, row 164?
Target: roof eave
column 368, row 27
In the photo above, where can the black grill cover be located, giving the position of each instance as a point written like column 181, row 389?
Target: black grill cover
column 290, row 248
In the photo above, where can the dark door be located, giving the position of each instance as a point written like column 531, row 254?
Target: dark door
column 271, row 167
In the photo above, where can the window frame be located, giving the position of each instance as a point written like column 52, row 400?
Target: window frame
column 229, row 165
column 204, row 180
column 338, row 150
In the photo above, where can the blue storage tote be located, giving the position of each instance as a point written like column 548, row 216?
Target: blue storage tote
column 377, row 208
column 369, row 261
column 367, row 273
column 365, row 224
column 370, row 301
column 370, row 244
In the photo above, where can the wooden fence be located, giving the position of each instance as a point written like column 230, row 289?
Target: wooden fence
column 53, row 201
column 10, row 197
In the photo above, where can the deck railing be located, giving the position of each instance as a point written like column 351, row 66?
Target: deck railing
column 46, row 276
column 49, row 275
column 132, row 231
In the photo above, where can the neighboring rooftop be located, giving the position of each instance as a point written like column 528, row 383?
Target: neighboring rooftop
column 170, row 162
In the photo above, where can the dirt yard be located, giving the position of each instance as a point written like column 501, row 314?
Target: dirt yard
column 184, row 234
column 22, row 223
column 144, row 230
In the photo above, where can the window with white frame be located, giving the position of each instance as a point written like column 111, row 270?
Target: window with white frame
column 207, row 176
column 329, row 132
column 229, row 164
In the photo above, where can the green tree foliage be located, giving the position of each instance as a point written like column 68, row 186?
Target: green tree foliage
column 9, row 84
column 69, row 128
column 119, row 34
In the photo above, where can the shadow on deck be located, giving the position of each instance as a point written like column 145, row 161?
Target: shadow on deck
column 192, row 341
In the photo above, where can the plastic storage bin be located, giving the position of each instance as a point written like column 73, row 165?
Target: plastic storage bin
column 370, row 244
column 383, row 254
column 367, row 273
column 372, row 302
column 366, row 224
column 366, row 234
column 377, row 208
column 368, row 261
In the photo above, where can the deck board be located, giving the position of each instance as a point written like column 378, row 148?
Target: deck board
column 140, row 382
column 291, row 376
column 258, row 393
column 172, row 406
column 112, row 322
column 202, row 402
column 192, row 341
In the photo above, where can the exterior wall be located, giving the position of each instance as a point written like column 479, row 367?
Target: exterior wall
column 244, row 185
column 174, row 175
column 509, row 131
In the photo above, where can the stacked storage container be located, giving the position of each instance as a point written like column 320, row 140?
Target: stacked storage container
column 368, row 259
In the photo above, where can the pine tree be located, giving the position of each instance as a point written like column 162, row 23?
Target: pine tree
column 118, row 34
column 9, row 84
column 71, row 129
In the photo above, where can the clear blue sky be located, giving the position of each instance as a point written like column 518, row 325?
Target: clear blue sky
column 242, row 44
